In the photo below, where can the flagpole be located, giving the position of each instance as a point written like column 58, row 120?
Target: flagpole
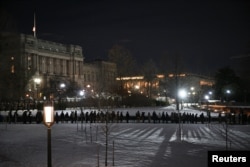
column 34, row 27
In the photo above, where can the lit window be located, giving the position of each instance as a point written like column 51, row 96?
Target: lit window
column 12, row 69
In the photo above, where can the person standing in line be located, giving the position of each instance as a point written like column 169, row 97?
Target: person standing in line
column 149, row 117
column 127, row 117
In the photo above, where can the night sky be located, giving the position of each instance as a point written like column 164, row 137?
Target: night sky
column 205, row 33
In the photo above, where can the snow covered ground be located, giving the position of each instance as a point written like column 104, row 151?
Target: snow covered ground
column 135, row 144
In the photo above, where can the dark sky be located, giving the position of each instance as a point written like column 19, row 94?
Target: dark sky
column 205, row 33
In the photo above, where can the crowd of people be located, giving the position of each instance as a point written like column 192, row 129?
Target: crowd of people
column 120, row 117
column 20, row 111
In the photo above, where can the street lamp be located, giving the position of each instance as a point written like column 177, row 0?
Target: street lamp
column 208, row 111
column 228, row 92
column 48, row 120
column 62, row 85
column 82, row 94
column 192, row 94
column 37, row 82
column 206, row 97
column 182, row 95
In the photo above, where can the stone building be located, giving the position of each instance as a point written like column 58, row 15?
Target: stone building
column 38, row 69
column 99, row 77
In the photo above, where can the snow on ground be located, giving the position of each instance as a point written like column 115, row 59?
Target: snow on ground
column 135, row 144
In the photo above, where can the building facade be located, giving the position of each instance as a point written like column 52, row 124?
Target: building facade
column 38, row 69
column 139, row 85
column 99, row 77
column 165, row 85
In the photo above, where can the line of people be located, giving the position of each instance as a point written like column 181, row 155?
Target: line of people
column 26, row 117
column 119, row 117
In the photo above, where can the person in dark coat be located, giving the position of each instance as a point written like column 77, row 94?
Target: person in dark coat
column 196, row 118
column 24, row 117
column 15, row 117
column 143, row 117
column 82, row 116
column 138, row 116
column 202, row 118
column 72, row 116
column 57, row 118
column 219, row 117
column 163, row 117
column 39, row 117
column 75, row 117
column 149, row 117
column 154, row 117
column 87, row 117
column 62, row 117
column 121, row 117
column 30, row 117
column 167, row 117
column 127, row 117
column 10, row 117
column 66, row 117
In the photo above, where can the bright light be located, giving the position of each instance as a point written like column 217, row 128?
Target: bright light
column 48, row 114
column 228, row 91
column 81, row 93
column 206, row 97
column 137, row 86
column 48, row 111
column 62, row 85
column 182, row 93
column 37, row 80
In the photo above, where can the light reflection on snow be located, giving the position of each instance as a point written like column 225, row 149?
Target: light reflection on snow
column 173, row 137
column 136, row 144
column 205, row 136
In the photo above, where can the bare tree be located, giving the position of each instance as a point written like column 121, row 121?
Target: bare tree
column 110, row 119
column 125, row 63
column 149, row 70
column 7, row 23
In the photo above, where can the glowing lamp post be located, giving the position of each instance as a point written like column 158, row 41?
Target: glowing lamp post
column 48, row 120
column 208, row 111
column 228, row 92
column 37, row 82
column 182, row 94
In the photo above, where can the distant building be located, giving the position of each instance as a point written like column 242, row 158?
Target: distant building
column 139, row 85
column 162, row 85
column 36, row 68
column 99, row 77
column 196, row 86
